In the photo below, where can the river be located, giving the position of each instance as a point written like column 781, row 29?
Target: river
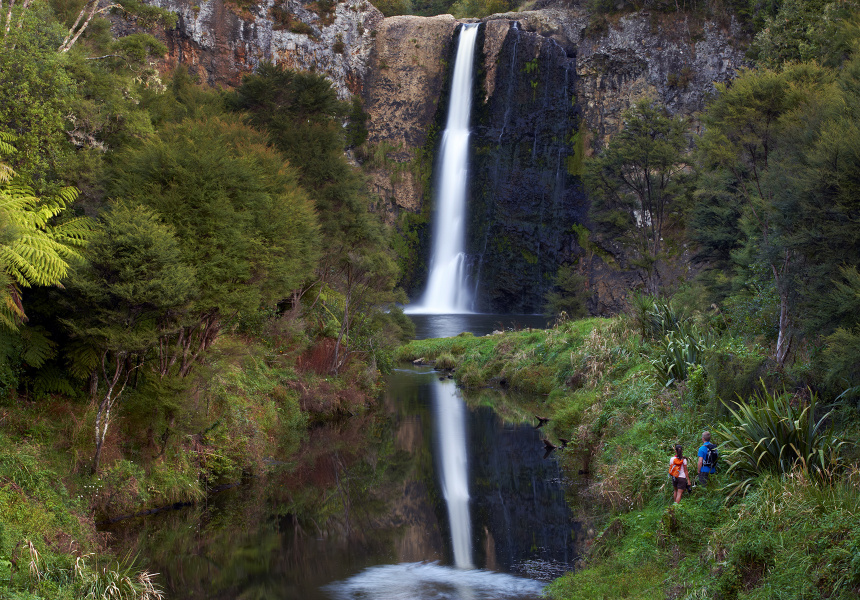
column 364, row 511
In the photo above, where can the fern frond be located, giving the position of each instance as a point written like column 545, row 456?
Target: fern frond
column 13, row 206
column 35, row 260
column 82, row 358
column 33, row 251
column 67, row 196
column 38, row 347
column 5, row 146
column 6, row 172
column 11, row 309
column 74, row 232
column 8, row 317
column 52, row 380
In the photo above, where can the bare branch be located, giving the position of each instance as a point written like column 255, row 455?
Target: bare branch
column 9, row 18
column 72, row 29
column 21, row 16
column 73, row 36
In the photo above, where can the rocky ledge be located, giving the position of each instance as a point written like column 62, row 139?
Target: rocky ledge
column 221, row 40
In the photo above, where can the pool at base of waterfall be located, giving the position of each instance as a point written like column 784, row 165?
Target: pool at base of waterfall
column 360, row 511
column 432, row 581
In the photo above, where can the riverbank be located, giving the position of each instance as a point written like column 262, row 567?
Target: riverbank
column 245, row 411
column 601, row 382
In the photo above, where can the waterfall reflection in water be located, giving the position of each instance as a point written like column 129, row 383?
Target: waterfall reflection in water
column 523, row 520
column 360, row 506
column 453, row 467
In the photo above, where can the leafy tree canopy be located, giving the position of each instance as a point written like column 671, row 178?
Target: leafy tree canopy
column 242, row 220
column 802, row 31
column 638, row 184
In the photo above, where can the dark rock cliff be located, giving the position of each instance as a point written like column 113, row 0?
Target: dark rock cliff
column 554, row 95
column 525, row 190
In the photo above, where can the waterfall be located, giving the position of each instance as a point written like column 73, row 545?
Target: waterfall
column 447, row 291
column 451, row 441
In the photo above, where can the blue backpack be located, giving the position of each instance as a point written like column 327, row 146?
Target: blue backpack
column 711, row 457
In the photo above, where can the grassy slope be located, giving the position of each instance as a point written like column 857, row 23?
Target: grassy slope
column 788, row 538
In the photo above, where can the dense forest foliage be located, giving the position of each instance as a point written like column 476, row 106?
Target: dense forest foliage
column 232, row 209
column 765, row 198
column 188, row 275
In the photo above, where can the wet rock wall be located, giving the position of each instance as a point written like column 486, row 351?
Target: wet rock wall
column 525, row 188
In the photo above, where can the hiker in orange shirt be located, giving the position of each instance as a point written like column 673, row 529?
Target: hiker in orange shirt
column 678, row 472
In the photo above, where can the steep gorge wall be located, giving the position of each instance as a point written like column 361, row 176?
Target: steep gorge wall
column 550, row 93
column 525, row 192
column 221, row 40
column 555, row 94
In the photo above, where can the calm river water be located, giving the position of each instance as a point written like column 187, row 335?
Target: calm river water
column 362, row 511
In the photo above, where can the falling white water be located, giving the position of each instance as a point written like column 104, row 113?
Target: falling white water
column 447, row 292
column 451, row 439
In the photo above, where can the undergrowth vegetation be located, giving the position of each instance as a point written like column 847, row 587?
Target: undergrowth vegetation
column 248, row 406
column 780, row 519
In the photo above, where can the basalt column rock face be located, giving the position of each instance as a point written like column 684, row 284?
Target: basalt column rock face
column 525, row 190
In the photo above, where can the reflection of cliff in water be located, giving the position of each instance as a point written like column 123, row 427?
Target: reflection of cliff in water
column 519, row 505
column 348, row 501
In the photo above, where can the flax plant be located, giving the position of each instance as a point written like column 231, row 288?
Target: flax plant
column 771, row 435
column 654, row 316
column 679, row 351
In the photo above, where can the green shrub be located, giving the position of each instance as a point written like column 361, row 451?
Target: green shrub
column 733, row 375
column 569, row 296
column 446, row 360
column 679, row 351
column 392, row 8
column 771, row 435
column 479, row 8
column 697, row 386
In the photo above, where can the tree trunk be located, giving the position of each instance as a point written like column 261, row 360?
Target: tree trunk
column 73, row 35
column 783, row 342
column 9, row 17
column 109, row 399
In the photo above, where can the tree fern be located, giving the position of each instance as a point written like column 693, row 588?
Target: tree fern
column 53, row 380
column 11, row 310
column 38, row 346
column 33, row 249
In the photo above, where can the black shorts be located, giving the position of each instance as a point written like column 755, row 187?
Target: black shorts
column 680, row 483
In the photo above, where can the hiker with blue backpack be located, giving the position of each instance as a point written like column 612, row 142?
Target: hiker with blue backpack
column 708, row 457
